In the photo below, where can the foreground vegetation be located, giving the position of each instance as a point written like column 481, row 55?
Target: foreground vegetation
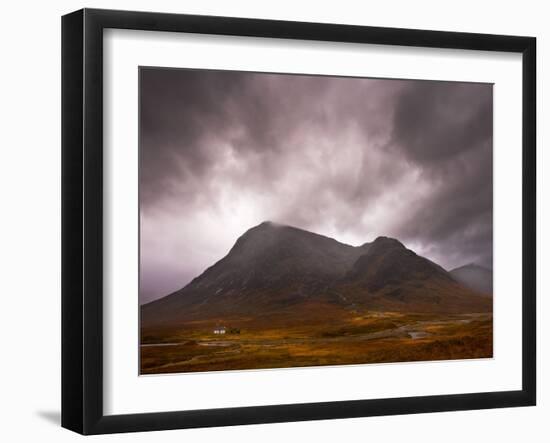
column 358, row 338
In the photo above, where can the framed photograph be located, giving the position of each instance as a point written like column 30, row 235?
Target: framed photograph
column 268, row 221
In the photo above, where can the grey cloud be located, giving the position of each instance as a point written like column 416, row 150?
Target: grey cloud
column 446, row 130
column 436, row 121
column 346, row 157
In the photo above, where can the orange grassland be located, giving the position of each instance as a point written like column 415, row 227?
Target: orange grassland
column 350, row 338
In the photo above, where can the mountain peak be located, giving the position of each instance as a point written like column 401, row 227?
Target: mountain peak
column 271, row 245
column 266, row 229
column 471, row 265
column 384, row 243
column 267, row 225
column 475, row 277
column 388, row 263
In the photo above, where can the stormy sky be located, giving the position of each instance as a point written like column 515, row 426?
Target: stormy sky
column 350, row 158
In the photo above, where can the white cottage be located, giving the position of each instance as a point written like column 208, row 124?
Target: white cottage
column 218, row 331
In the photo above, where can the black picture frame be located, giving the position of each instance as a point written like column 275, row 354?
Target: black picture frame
column 82, row 220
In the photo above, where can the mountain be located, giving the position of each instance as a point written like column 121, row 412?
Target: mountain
column 388, row 263
column 280, row 271
column 474, row 277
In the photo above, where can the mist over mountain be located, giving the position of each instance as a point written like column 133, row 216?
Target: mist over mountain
column 278, row 270
column 474, row 277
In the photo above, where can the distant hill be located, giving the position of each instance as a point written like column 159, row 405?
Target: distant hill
column 474, row 277
column 278, row 271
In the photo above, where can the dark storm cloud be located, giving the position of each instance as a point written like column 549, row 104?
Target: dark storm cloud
column 446, row 130
column 189, row 118
column 437, row 121
column 350, row 158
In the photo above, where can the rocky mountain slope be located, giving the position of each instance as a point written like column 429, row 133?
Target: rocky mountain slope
column 277, row 270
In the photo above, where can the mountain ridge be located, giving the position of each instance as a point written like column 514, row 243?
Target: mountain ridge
column 475, row 277
column 283, row 270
